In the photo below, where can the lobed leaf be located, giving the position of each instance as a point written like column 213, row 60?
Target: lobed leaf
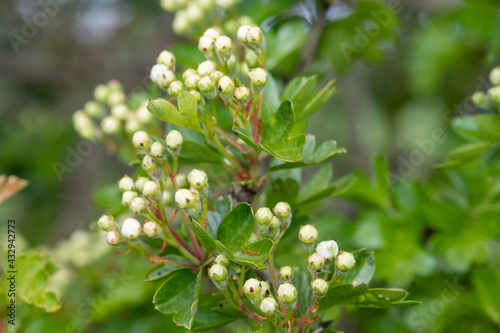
column 186, row 116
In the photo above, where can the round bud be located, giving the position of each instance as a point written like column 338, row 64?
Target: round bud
column 120, row 111
column 197, row 179
column 139, row 183
column 162, row 76
column 252, row 287
column 167, row 197
column 242, row 95
column 494, row 94
column 181, row 23
column 495, row 76
column 275, row 223
column 126, row 184
column 268, row 306
column 93, row 109
column 265, row 289
column 226, row 85
column 194, row 13
column 157, row 149
column 131, row 229
column 187, row 73
column 132, row 125
column 175, row 88
column 184, row 198
column 191, row 81
column 308, row 234
column 205, row 44
column 110, row 125
column 206, row 85
column 196, row 95
column 105, row 222
column 286, row 273
column 254, row 35
column 138, row 205
column 116, row 97
column 479, row 98
column 151, row 189
column 148, row 163
column 212, row 33
column 205, row 5
column 282, row 210
column 174, row 140
column 328, row 249
column 216, row 76
column 287, row 293
column 242, row 33
column 222, row 260
column 166, row 58
column 206, row 68
column 152, row 229
column 319, row 287
column 217, row 273
column 141, row 140
column 113, row 238
column 345, row 261
column 223, row 44
column 316, row 261
column 258, row 77
column 263, row 216
column 127, row 197
column 114, row 85
column 101, row 93
column 181, row 180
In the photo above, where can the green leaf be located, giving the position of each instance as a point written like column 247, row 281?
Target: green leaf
column 236, row 228
column 318, row 187
column 363, row 271
column 164, row 269
column 326, row 150
column 193, row 152
column 329, row 330
column 203, row 236
column 222, row 207
column 282, row 190
column 302, row 283
column 480, row 127
column 276, row 135
column 255, row 253
column 486, row 282
column 303, row 94
column 178, row 296
column 207, row 320
column 186, row 116
column 469, row 151
column 317, row 101
column 187, row 55
column 246, row 137
column 270, row 98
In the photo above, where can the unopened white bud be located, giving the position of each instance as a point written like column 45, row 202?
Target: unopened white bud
column 140, row 182
column 252, row 289
column 126, row 184
column 141, row 140
column 110, row 125
column 174, row 140
column 479, row 98
column 286, row 273
column 143, row 114
column 268, row 306
column 495, row 76
column 242, row 33
column 116, row 97
column 206, row 85
column 206, row 68
column 316, row 261
column 167, row 197
column 151, row 189
column 166, row 58
column 197, row 179
column 101, row 93
column 131, row 229
column 258, row 77
column 226, row 85
column 206, row 44
column 282, row 210
column 242, row 95
column 132, row 125
column 196, row 94
column 181, row 23
column 287, row 294
column 319, row 287
column 152, row 229
column 93, row 109
column 275, row 224
column 263, row 216
column 222, row 260
column 217, row 273
column 251, row 59
column 265, row 289
column 175, row 88
column 328, row 249
column 212, row 33
column 114, row 85
column 157, row 149
column 187, row 73
column 127, row 197
column 308, row 234
column 192, row 80
column 138, row 205
column 194, row 13
column 254, row 35
column 223, row 44
column 162, row 76
column 106, row 222
column 113, row 238
column 184, row 198
column 181, row 180
column 148, row 163
column 494, row 93
column 120, row 111
column 345, row 261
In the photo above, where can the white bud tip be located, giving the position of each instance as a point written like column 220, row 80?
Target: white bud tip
column 174, row 140
column 308, row 234
column 287, row 293
column 131, row 229
column 345, row 261
column 252, row 287
column 217, row 273
column 197, row 179
column 282, row 209
column 184, row 198
column 141, row 140
column 328, row 249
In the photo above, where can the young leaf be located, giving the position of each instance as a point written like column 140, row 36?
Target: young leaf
column 236, row 228
column 319, row 186
column 276, row 135
column 186, row 116
column 193, row 152
column 317, row 101
column 246, row 137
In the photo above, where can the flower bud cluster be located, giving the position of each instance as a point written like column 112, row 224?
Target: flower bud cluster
column 490, row 99
column 218, row 272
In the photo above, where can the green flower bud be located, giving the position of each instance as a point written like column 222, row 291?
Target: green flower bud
column 184, row 198
column 479, row 98
column 206, row 68
column 242, row 33
column 157, row 149
column 251, row 59
column 268, row 306
column 222, row 260
column 196, row 95
column 101, row 93
column 308, row 234
column 254, row 35
column 494, row 94
column 151, row 189
column 206, row 44
column 192, row 81
column 216, row 76
column 167, row 197
column 316, row 261
column 110, row 125
column 242, row 95
column 194, row 13
column 114, row 85
column 187, row 73
column 212, row 33
column 319, row 287
column 263, row 216
column 167, row 59
column 141, row 140
column 223, row 44
column 148, row 163
column 162, row 76
column 275, row 224
column 175, row 88
column 113, row 238
column 345, row 261
column 286, row 273
column 152, row 229
column 328, row 250
column 282, row 210
column 140, row 182
column 127, row 197
column 265, row 289
column 288, row 295
column 206, row 85
column 126, row 184
column 116, row 97
column 106, row 222
column 93, row 109
column 198, row 179
column 252, row 289
column 495, row 76
column 174, row 140
column 258, row 77
column 138, row 205
column 120, row 111
column 226, row 85
column 131, row 229
column 217, row 273
column 181, row 180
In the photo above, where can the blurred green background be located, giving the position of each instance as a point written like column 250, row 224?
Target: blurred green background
column 403, row 70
